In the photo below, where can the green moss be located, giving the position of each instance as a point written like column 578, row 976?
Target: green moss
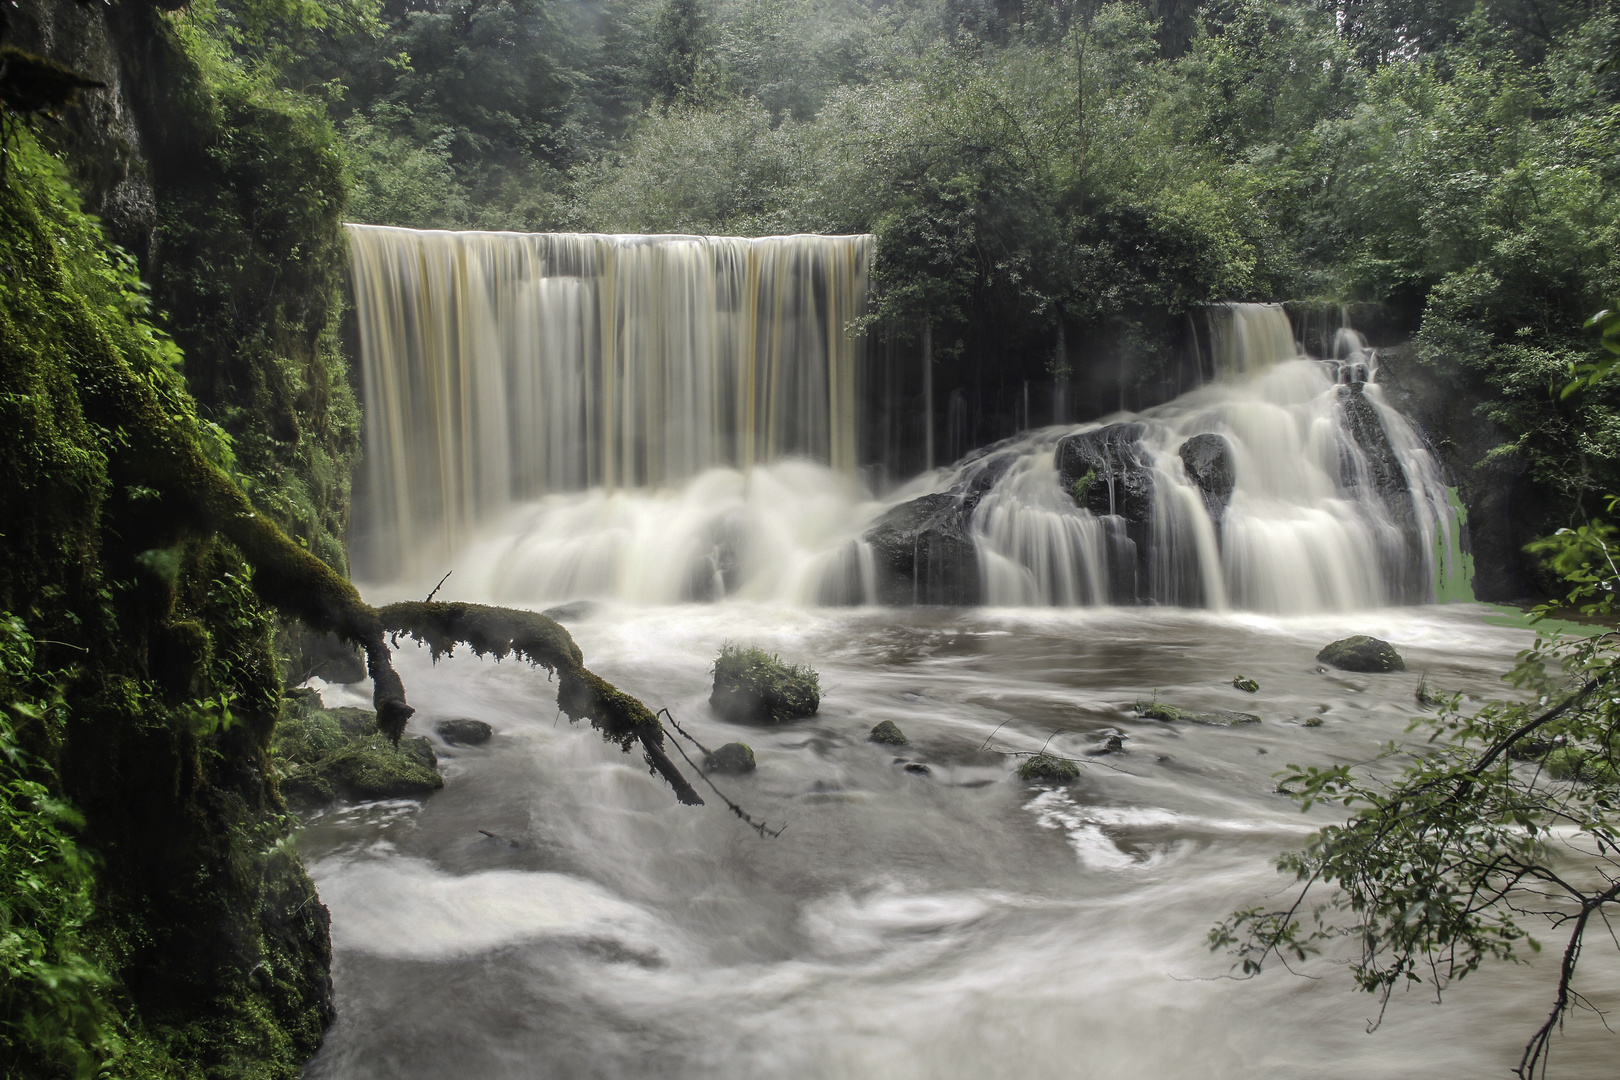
column 733, row 757
column 1158, row 710
column 1082, row 487
column 329, row 754
column 888, row 734
column 754, row 685
column 1044, row 768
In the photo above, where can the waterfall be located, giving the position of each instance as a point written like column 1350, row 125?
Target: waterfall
column 1326, row 498
column 501, row 367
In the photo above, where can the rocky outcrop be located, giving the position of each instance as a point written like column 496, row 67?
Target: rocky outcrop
column 1209, row 465
column 1371, row 462
column 1362, row 654
column 1108, row 472
column 925, row 554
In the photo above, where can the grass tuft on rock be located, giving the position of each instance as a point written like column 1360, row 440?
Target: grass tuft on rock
column 754, row 686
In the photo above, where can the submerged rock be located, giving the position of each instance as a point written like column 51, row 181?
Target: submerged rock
column 464, row 732
column 1046, row 768
column 754, row 686
column 924, row 553
column 888, row 734
column 1114, row 744
column 917, row 768
column 1362, row 654
column 1158, row 710
column 734, row 757
column 1209, row 465
column 1245, row 684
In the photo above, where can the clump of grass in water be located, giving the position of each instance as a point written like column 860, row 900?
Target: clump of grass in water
column 754, row 685
column 1082, row 487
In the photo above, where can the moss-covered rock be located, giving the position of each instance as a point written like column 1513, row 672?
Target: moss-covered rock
column 325, row 755
column 1246, row 684
column 1158, row 710
column 734, row 757
column 1046, row 768
column 888, row 734
column 1361, row 653
column 754, row 686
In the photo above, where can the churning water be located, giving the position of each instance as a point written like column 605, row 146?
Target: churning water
column 554, row 913
column 645, row 422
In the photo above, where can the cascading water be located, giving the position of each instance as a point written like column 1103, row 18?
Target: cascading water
column 498, row 367
column 668, row 419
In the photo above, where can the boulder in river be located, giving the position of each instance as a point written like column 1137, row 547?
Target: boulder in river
column 1362, row 654
column 924, row 553
column 1208, row 461
column 1110, row 473
column 324, row 755
column 1044, row 768
column 464, row 732
column 1158, row 710
column 754, row 686
column 887, row 733
column 734, row 757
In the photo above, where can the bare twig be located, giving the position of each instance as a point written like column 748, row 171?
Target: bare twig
column 758, row 826
column 437, row 587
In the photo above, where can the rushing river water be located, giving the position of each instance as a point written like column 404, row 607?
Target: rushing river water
column 554, row 913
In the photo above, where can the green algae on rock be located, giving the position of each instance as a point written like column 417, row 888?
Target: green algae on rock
column 1045, row 768
column 888, row 734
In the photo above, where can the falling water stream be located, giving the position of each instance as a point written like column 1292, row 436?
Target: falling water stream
column 553, row 913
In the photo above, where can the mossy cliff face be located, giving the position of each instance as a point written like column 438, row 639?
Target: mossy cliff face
column 207, row 948
column 156, row 657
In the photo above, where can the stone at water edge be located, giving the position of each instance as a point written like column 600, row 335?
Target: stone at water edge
column 888, row 734
column 734, row 757
column 464, row 732
column 1362, row 654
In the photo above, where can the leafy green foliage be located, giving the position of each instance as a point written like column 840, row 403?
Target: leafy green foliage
column 53, row 1012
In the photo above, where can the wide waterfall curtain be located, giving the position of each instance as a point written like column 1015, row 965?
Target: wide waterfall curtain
column 500, row 366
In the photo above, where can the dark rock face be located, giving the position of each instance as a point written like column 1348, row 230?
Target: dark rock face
column 1109, row 473
column 463, row 732
column 734, row 757
column 887, row 733
column 1378, row 466
column 925, row 553
column 1208, row 461
column 1362, row 654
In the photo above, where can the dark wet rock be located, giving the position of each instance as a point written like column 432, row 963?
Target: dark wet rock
column 1109, row 472
column 917, row 768
column 573, row 611
column 1371, row 462
column 754, row 686
column 925, row 554
column 888, row 734
column 1114, row 744
column 1158, row 710
column 464, row 732
column 980, row 474
column 1044, row 768
column 734, row 757
column 1209, row 465
column 1362, row 654
column 1247, row 685
column 1311, row 721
